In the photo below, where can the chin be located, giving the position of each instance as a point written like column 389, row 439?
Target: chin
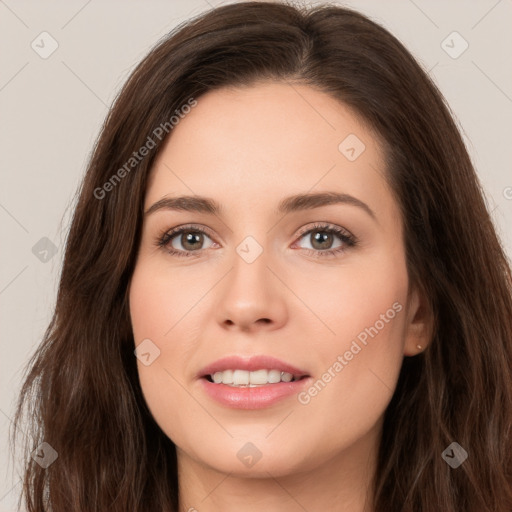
column 249, row 456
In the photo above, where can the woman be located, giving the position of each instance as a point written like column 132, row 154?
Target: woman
column 202, row 357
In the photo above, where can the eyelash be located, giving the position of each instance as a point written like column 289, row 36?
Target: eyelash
column 347, row 238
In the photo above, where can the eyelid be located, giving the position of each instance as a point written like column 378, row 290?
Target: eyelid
column 324, row 226
column 188, row 227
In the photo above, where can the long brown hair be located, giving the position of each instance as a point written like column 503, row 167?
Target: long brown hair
column 81, row 393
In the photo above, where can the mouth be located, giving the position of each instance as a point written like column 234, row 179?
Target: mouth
column 255, row 383
column 255, row 371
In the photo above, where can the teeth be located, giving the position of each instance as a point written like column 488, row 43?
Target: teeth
column 240, row 377
column 286, row 377
column 251, row 379
column 274, row 376
column 257, row 377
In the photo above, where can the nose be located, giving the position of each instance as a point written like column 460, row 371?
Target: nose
column 251, row 297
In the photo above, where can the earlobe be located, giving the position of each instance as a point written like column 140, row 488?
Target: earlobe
column 418, row 330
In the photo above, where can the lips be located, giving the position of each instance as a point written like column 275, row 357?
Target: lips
column 247, row 396
column 253, row 363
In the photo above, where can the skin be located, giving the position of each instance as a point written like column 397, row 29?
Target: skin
column 248, row 149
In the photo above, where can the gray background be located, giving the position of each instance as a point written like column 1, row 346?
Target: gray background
column 51, row 111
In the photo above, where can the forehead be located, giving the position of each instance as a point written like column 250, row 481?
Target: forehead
column 263, row 142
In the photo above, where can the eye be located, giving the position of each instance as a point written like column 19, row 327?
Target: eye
column 185, row 240
column 322, row 240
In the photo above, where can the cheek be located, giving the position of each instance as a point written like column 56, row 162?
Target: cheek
column 165, row 309
column 160, row 301
column 360, row 362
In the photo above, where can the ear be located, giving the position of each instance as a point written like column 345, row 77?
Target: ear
column 419, row 326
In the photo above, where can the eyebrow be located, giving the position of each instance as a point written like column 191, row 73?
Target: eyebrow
column 290, row 204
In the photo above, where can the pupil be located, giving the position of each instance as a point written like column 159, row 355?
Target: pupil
column 322, row 239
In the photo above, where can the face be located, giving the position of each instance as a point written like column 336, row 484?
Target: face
column 315, row 287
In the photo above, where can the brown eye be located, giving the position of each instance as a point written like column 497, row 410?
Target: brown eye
column 322, row 239
column 188, row 241
column 185, row 241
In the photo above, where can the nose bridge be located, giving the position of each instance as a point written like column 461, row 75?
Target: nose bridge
column 251, row 292
column 250, row 276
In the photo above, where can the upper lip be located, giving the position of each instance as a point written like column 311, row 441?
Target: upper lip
column 260, row 362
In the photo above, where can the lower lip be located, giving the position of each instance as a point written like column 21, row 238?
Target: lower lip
column 252, row 398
